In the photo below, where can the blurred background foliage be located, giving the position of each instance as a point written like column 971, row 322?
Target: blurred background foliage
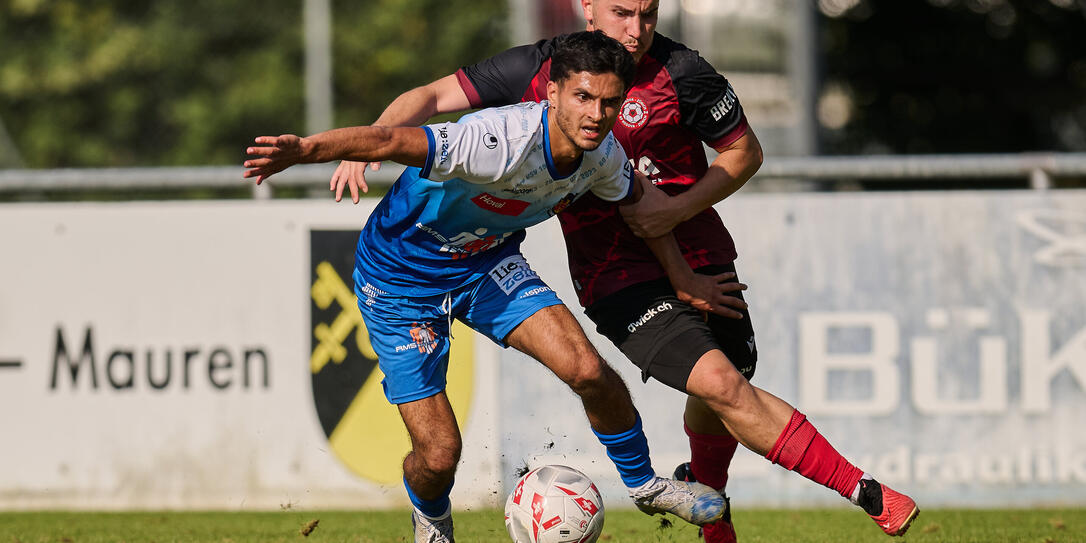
column 385, row 47
column 956, row 76
column 136, row 83
column 126, row 83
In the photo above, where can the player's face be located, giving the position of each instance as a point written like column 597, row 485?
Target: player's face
column 631, row 22
column 586, row 106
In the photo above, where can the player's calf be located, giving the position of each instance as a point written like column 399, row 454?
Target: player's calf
column 436, row 446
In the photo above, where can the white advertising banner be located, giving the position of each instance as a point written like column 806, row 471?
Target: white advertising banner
column 210, row 355
column 938, row 340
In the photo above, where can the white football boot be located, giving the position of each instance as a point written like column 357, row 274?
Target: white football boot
column 693, row 502
column 433, row 530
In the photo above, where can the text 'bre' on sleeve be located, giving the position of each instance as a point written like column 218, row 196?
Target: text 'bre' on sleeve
column 708, row 105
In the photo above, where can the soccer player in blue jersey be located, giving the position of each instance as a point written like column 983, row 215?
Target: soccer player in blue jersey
column 678, row 104
column 444, row 243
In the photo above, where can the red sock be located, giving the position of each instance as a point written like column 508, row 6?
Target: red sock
column 710, row 456
column 803, row 450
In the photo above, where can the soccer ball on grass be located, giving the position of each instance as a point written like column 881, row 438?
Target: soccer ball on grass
column 554, row 504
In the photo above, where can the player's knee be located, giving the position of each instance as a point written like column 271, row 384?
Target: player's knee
column 578, row 365
column 441, row 460
column 719, row 386
column 445, row 462
column 588, row 374
column 439, row 452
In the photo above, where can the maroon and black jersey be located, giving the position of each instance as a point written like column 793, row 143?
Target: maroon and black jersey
column 677, row 102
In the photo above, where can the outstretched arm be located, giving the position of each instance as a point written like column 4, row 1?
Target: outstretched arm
column 411, row 108
column 274, row 154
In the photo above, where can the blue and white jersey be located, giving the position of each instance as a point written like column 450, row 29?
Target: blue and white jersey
column 487, row 177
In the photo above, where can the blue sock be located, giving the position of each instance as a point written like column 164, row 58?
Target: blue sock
column 629, row 451
column 431, row 508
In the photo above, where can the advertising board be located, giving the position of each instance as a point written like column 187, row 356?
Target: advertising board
column 209, row 355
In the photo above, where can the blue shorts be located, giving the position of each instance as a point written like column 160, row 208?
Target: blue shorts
column 411, row 334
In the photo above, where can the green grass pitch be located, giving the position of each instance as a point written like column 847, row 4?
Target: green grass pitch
column 626, row 526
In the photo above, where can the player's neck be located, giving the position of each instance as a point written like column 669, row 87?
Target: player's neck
column 566, row 154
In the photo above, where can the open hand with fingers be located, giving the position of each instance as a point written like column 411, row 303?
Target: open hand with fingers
column 352, row 175
column 274, row 154
column 711, row 293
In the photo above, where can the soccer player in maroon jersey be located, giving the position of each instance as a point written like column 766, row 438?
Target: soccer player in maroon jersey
column 704, row 347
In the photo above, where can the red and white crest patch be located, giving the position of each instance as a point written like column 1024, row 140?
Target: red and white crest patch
column 634, row 113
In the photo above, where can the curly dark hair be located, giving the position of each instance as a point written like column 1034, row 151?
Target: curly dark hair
column 592, row 52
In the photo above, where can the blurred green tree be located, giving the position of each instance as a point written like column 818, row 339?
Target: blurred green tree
column 133, row 83
column 957, row 76
column 385, row 47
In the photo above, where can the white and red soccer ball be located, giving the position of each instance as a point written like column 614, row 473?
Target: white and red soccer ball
column 554, row 504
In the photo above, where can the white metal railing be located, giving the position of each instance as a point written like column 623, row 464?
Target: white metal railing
column 1038, row 168
column 222, row 177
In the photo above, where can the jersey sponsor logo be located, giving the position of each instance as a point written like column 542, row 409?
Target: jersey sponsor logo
column 563, row 203
column 634, row 113
column 465, row 244
column 370, row 293
column 645, row 166
column 721, row 109
column 652, row 312
column 511, row 272
column 490, row 141
column 501, row 206
column 535, row 291
column 520, row 189
column 443, row 156
column 422, row 338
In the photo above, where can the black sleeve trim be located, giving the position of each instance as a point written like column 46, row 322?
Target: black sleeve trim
column 503, row 78
column 708, row 105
